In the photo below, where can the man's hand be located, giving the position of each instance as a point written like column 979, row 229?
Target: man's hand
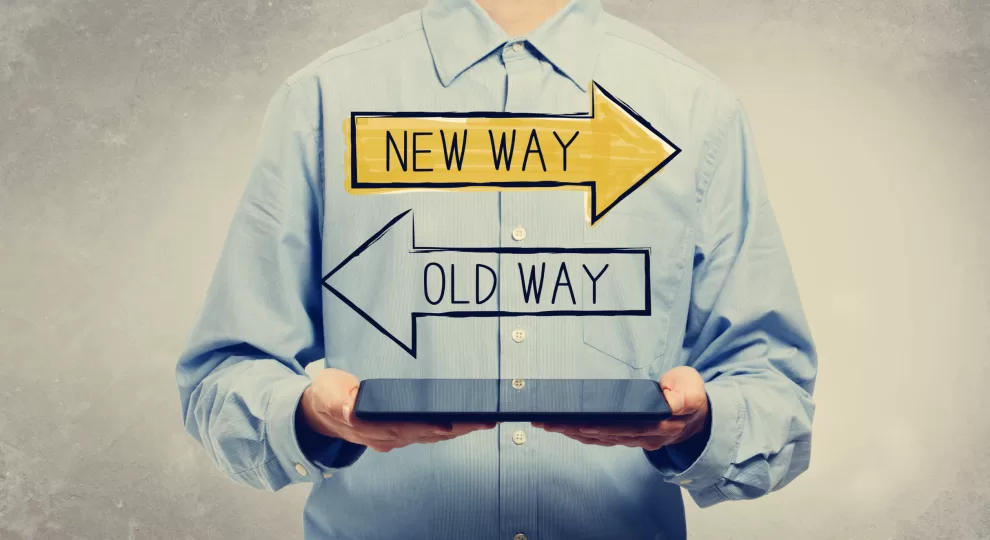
column 684, row 390
column 329, row 401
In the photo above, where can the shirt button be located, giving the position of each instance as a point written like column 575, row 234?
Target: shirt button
column 685, row 482
column 518, row 384
column 301, row 470
column 518, row 436
column 518, row 234
column 328, row 475
column 518, row 47
column 518, row 335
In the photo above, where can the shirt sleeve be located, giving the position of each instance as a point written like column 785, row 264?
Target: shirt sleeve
column 242, row 373
column 746, row 334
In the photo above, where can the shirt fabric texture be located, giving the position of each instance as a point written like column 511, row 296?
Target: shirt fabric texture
column 724, row 300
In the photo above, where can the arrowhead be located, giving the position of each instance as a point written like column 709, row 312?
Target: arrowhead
column 631, row 152
column 373, row 281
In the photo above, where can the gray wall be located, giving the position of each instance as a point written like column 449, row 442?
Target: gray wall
column 126, row 131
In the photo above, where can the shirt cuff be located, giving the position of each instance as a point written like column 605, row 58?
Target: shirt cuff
column 292, row 465
column 327, row 452
column 701, row 478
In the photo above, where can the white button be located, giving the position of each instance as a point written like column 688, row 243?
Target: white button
column 517, row 46
column 518, row 234
column 518, row 436
column 301, row 470
column 518, row 384
column 519, row 536
column 685, row 482
column 328, row 475
column 518, row 335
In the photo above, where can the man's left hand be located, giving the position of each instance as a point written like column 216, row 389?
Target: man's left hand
column 684, row 390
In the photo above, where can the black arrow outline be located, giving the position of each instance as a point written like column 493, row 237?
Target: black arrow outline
column 646, row 311
column 592, row 184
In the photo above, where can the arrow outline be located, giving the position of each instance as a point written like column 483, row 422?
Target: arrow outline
column 416, row 315
column 595, row 214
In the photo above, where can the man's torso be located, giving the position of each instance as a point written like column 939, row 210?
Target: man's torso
column 487, row 484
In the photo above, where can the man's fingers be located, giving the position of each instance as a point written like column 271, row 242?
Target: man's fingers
column 341, row 408
column 573, row 432
column 646, row 442
column 403, row 427
column 329, row 404
column 381, row 434
column 468, row 428
column 460, row 430
column 652, row 444
column 654, row 437
column 587, row 440
column 574, row 429
column 630, row 430
column 342, row 414
column 558, row 428
column 410, row 433
column 435, row 438
column 671, row 427
column 452, row 432
column 397, row 431
column 381, row 447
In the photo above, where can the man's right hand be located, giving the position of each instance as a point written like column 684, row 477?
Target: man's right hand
column 327, row 405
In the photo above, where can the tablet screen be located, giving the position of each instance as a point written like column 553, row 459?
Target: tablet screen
column 508, row 397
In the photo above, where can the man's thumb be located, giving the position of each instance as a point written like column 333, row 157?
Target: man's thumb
column 677, row 385
column 347, row 407
column 675, row 399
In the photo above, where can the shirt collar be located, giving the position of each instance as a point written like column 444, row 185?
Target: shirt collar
column 460, row 33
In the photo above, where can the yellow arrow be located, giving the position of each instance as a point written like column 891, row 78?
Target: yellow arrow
column 609, row 152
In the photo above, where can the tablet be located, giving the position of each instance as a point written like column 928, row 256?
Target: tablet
column 582, row 401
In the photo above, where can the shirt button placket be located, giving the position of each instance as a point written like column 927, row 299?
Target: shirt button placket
column 518, row 475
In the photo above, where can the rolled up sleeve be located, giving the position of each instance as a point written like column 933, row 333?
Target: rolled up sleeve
column 242, row 373
column 746, row 334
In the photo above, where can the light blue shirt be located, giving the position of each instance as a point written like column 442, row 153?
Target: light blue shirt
column 721, row 295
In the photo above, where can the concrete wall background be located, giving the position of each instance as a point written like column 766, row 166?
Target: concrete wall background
column 126, row 131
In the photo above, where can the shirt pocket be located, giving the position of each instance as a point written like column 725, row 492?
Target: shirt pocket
column 636, row 340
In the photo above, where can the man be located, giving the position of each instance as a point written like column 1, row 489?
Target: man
column 725, row 335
